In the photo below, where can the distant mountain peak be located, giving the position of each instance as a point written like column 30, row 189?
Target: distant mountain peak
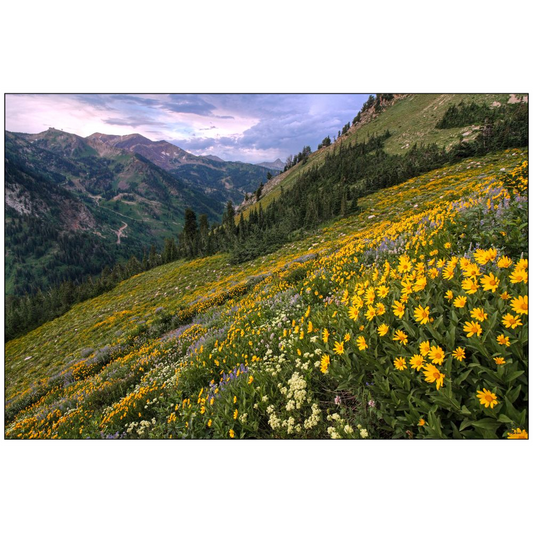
column 214, row 158
column 275, row 165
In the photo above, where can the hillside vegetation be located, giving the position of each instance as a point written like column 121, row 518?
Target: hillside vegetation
column 407, row 318
column 410, row 119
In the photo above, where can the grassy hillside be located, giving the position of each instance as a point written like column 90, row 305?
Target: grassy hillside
column 410, row 119
column 383, row 324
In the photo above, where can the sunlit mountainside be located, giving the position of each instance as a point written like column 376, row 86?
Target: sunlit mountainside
column 385, row 297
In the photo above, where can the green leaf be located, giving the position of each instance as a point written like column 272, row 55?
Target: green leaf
column 435, row 424
column 513, row 375
column 487, row 423
column 465, row 410
column 504, row 419
column 465, row 423
column 458, row 380
column 513, row 395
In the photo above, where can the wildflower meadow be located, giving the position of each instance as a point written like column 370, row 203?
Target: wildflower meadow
column 408, row 319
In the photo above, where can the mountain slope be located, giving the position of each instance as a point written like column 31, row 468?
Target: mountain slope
column 61, row 185
column 220, row 180
column 295, row 344
column 409, row 118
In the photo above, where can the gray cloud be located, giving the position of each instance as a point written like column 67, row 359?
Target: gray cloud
column 281, row 124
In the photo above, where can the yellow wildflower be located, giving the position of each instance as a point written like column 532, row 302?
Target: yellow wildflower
column 470, row 285
column 421, row 314
column 371, row 313
column 400, row 336
column 520, row 305
column 490, row 282
column 383, row 330
column 339, row 348
column 459, row 354
column 417, row 362
column 434, row 375
column 399, row 363
column 487, row 398
column 436, row 354
column 424, row 348
column 460, row 301
column 380, row 309
column 472, row 328
column 478, row 313
column 353, row 313
column 510, row 321
column 518, row 434
column 398, row 308
column 361, row 343
column 518, row 276
column 503, row 340
column 505, row 262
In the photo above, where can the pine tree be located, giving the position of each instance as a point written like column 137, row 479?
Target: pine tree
column 189, row 235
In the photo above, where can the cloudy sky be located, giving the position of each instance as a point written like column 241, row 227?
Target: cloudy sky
column 235, row 127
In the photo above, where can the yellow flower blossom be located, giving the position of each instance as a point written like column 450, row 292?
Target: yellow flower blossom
column 470, row 285
column 472, row 328
column 339, row 347
column 505, row 262
column 518, row 434
column 400, row 336
column 383, row 330
column 511, row 321
column 398, row 308
column 434, row 375
column 459, row 354
column 503, row 340
column 353, row 313
column 518, row 276
column 471, row 271
column 424, row 348
column 487, row 398
column 380, row 309
column 399, row 363
column 490, row 282
column 447, row 272
column 324, row 364
column 436, row 354
column 478, row 313
column 499, row 360
column 417, row 362
column 520, row 305
column 361, row 343
column 382, row 291
column 371, row 313
column 421, row 314
column 460, row 301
